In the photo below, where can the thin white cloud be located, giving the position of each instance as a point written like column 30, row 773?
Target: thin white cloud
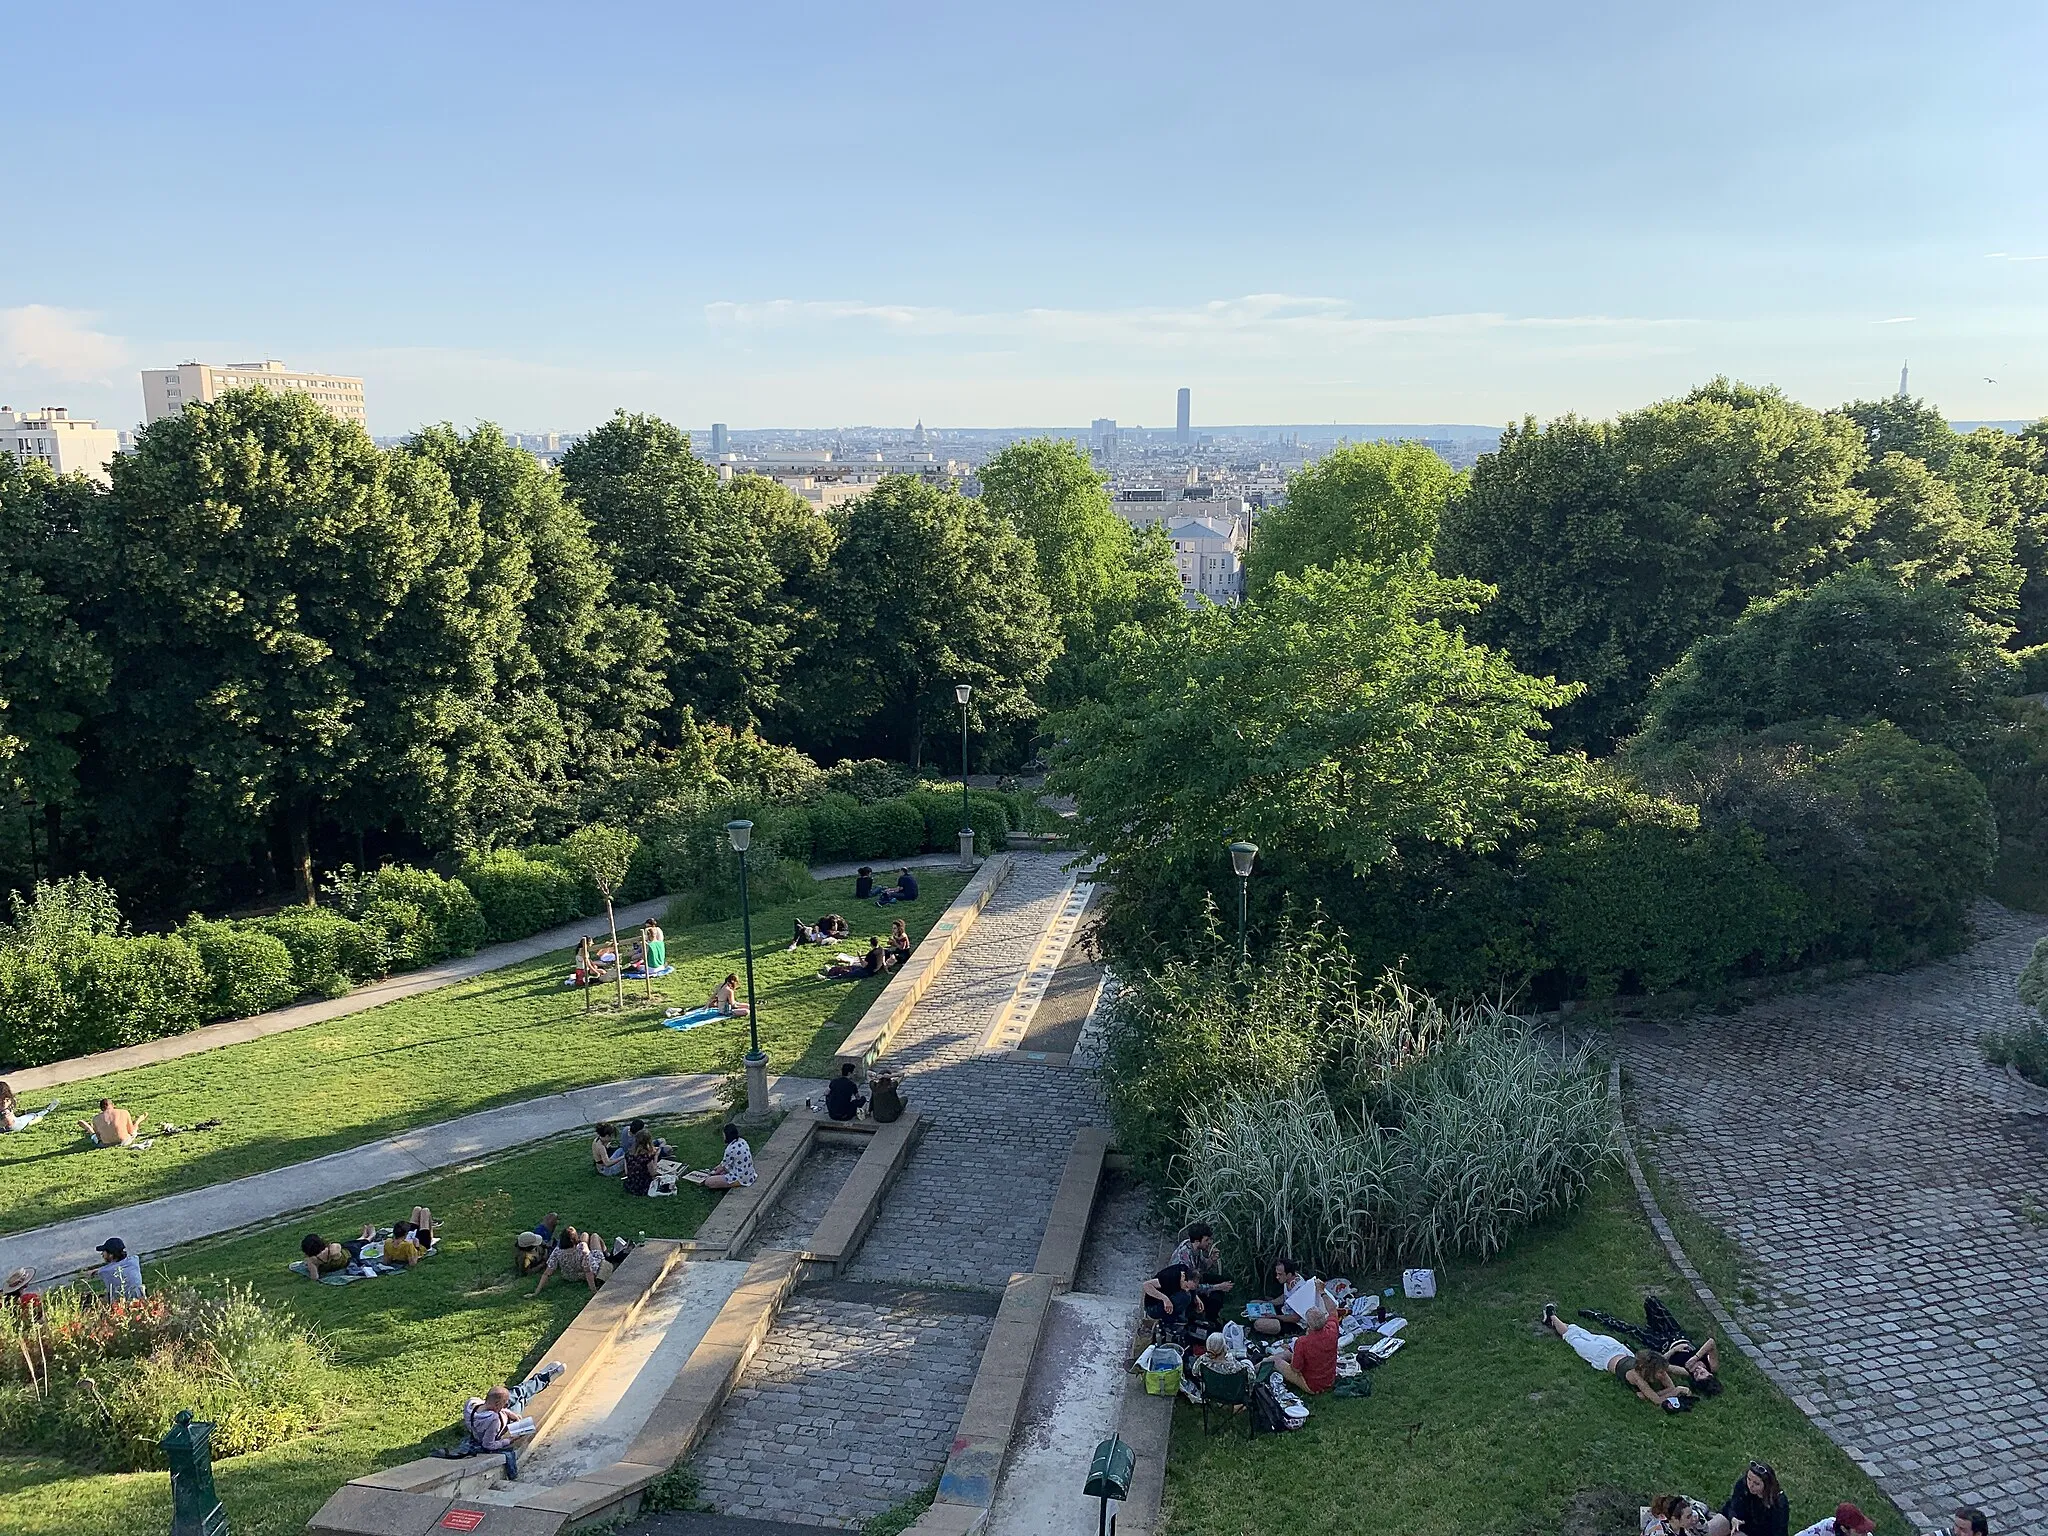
column 61, row 345
column 1897, row 320
column 1255, row 322
column 2011, row 256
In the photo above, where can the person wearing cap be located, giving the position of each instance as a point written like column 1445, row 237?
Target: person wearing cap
column 16, row 1293
column 1757, row 1503
column 1847, row 1520
column 121, row 1274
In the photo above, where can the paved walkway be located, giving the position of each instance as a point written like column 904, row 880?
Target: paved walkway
column 1889, row 1191
column 156, row 1225
column 851, row 1406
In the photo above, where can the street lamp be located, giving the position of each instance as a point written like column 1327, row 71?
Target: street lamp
column 963, row 692
column 741, row 835
column 1241, row 856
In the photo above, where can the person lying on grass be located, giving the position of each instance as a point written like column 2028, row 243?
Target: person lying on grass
column 570, row 1259
column 325, row 1257
column 11, row 1116
column 1309, row 1364
column 493, row 1423
column 873, row 963
column 1645, row 1372
column 1662, row 1333
column 113, row 1126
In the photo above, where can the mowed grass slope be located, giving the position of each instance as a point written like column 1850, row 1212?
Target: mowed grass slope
column 505, row 1036
column 1487, row 1425
column 413, row 1346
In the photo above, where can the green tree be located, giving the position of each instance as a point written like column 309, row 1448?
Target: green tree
column 681, row 548
column 1379, row 502
column 1920, row 531
column 926, row 589
column 52, row 673
column 1861, row 646
column 285, row 616
column 562, row 683
column 1615, row 545
column 1097, row 572
column 1334, row 717
column 604, row 856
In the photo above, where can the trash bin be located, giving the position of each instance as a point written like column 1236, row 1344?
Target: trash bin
column 1109, row 1477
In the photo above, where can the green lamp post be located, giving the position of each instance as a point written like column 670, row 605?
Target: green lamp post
column 195, row 1507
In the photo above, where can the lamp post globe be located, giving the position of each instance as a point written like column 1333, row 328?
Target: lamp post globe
column 1241, row 857
column 963, row 692
column 741, row 835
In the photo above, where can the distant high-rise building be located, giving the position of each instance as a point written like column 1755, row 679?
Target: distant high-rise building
column 167, row 391
column 1180, row 418
column 1102, row 433
column 1902, row 383
column 717, row 438
column 52, row 437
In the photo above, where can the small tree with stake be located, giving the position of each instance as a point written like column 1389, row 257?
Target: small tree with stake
column 604, row 854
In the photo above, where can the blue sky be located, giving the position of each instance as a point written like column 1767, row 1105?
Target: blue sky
column 775, row 214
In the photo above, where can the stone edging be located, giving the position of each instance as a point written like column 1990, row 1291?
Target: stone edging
column 880, row 1024
column 1731, row 1330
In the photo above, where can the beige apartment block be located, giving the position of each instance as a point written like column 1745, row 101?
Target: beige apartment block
column 167, row 391
column 53, row 436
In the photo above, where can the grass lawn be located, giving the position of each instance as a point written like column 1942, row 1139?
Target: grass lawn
column 413, row 1345
column 505, row 1036
column 1487, row 1425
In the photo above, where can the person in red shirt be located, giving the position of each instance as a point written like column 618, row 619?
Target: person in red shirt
column 1310, row 1364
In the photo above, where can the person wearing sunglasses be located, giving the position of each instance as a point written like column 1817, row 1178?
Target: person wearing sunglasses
column 1756, row 1506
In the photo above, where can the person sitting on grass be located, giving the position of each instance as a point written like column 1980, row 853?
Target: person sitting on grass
column 11, row 1116
column 112, row 1126
column 17, row 1296
column 633, row 1130
column 1847, row 1520
column 1300, row 1293
column 641, row 1160
column 120, row 1275
column 324, row 1257
column 492, row 1422
column 1756, row 1506
column 1198, row 1251
column 1173, row 1300
column 873, row 963
column 905, row 889
column 833, row 926
column 1309, row 1364
column 606, row 1156
column 843, row 1097
column 899, row 942
column 736, row 1169
column 1645, row 1372
column 1673, row 1514
column 723, row 1000
column 569, row 1259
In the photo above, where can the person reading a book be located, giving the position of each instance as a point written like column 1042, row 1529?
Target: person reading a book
column 494, row 1421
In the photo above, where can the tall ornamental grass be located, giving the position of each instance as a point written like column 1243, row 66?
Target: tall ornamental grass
column 1446, row 1157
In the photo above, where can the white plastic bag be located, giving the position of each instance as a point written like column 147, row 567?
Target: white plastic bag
column 1418, row 1284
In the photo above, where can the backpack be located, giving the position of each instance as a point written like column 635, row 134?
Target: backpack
column 1268, row 1418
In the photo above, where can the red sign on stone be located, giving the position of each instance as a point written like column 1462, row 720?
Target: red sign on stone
column 462, row 1519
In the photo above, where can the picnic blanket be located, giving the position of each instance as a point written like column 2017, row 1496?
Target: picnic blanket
column 641, row 973
column 691, row 1019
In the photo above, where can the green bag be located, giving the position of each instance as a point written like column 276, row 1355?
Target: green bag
column 1161, row 1365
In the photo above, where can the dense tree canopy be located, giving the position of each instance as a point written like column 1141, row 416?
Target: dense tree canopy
column 1615, row 545
column 925, row 589
column 682, row 548
column 1378, row 502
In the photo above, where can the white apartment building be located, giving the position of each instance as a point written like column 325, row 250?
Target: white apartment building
column 1210, row 554
column 51, row 436
column 167, row 391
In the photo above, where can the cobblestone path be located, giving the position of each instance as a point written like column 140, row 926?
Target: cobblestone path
column 1889, row 1191
column 852, row 1403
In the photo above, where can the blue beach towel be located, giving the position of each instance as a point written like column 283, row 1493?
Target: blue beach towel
column 691, row 1019
column 635, row 973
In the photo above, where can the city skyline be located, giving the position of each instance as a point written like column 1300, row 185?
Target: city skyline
column 1358, row 215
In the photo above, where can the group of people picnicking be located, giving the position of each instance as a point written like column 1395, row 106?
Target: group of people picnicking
column 645, row 1163
column 371, row 1252
column 598, row 959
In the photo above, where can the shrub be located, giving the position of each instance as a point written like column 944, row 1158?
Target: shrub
column 404, row 933
column 869, row 779
column 2012, row 762
column 840, row 828
column 329, row 952
column 99, row 1385
column 2025, row 1049
column 246, row 971
column 703, row 872
column 449, row 922
column 519, row 894
column 124, row 991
